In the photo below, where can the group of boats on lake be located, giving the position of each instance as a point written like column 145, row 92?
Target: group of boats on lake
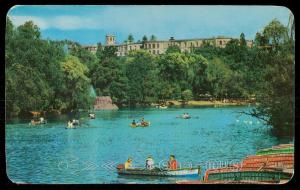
column 268, row 166
column 271, row 165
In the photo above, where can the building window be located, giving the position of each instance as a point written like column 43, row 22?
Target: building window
column 157, row 52
column 153, row 45
column 153, row 51
column 220, row 42
column 157, row 45
column 184, row 44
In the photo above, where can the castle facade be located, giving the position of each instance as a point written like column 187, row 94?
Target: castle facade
column 160, row 46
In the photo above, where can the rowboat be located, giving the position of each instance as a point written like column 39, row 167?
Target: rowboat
column 162, row 107
column 38, row 122
column 184, row 117
column 92, row 116
column 223, row 182
column 286, row 149
column 265, row 176
column 273, row 160
column 183, row 172
column 146, row 124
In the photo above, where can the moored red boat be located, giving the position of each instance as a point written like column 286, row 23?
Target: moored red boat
column 273, row 160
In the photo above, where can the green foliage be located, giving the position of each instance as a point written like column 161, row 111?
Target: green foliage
column 39, row 75
column 243, row 42
column 274, row 32
column 153, row 38
column 145, row 39
column 77, row 84
column 109, row 79
column 108, row 52
column 130, row 38
column 173, row 49
column 142, row 78
column 34, row 78
column 86, row 57
column 187, row 95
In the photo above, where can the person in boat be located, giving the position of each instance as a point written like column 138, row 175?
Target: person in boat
column 70, row 124
column 172, row 164
column 128, row 163
column 143, row 121
column 185, row 115
column 92, row 115
column 149, row 163
column 75, row 122
column 42, row 120
column 133, row 122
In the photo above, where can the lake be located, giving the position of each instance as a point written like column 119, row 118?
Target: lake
column 213, row 137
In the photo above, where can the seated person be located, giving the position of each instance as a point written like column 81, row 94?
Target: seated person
column 172, row 164
column 149, row 163
column 133, row 122
column 70, row 124
column 128, row 163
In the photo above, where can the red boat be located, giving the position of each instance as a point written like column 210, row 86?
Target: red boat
column 275, row 160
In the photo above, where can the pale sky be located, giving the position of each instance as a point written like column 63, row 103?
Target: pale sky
column 90, row 24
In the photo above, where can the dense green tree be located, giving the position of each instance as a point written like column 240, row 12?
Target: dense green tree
column 142, row 77
column 275, row 92
column 243, row 42
column 173, row 49
column 86, row 57
column 130, row 38
column 274, row 32
column 153, row 38
column 145, row 39
column 186, row 95
column 77, row 84
column 109, row 79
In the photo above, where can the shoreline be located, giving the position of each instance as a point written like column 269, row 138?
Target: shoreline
column 215, row 103
column 169, row 103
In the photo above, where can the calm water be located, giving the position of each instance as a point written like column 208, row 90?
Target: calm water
column 89, row 154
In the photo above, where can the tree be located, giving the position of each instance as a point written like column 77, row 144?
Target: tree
column 39, row 59
column 29, row 30
column 86, row 57
column 275, row 92
column 142, row 77
column 109, row 79
column 173, row 49
column 243, row 42
column 274, row 32
column 145, row 39
column 77, row 84
column 130, row 38
column 108, row 52
column 153, row 38
column 186, row 95
column 260, row 40
column 197, row 74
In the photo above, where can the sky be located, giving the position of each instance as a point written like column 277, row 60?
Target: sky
column 89, row 24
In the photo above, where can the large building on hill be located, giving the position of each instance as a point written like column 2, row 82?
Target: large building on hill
column 160, row 46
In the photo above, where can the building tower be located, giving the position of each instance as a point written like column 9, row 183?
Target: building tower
column 110, row 39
